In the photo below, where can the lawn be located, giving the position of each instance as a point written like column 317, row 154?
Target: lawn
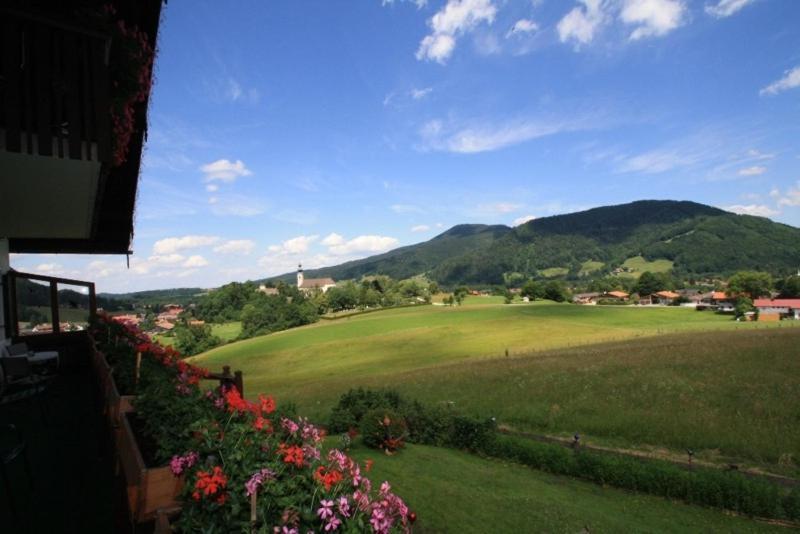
column 694, row 390
column 639, row 265
column 225, row 331
column 591, row 266
column 553, row 272
column 452, row 491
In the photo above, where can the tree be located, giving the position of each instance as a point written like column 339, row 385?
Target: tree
column 754, row 284
column 194, row 339
column 789, row 287
column 459, row 294
column 743, row 305
column 650, row 283
column 508, row 296
column 555, row 290
column 532, row 290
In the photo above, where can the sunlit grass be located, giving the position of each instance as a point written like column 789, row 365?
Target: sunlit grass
column 452, row 491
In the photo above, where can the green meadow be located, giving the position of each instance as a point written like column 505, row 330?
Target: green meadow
column 439, row 485
column 644, row 378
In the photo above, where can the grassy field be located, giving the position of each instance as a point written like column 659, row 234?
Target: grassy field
column 441, row 484
column 225, row 331
column 591, row 266
column 553, row 272
column 695, row 389
column 639, row 265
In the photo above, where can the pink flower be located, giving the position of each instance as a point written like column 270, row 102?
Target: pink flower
column 332, row 524
column 326, row 510
column 258, row 479
column 344, row 506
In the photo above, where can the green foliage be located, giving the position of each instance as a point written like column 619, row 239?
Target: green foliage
column 194, row 339
column 533, row 290
column 709, row 487
column 751, row 283
column 556, row 291
column 743, row 305
column 789, row 287
column 650, row 283
column 696, row 239
column 383, row 428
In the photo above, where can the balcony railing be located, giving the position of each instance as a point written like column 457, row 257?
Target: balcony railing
column 54, row 89
column 41, row 305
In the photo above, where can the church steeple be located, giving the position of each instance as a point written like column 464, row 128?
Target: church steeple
column 299, row 275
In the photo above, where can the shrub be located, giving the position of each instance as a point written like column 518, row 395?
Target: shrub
column 709, row 487
column 355, row 403
column 383, row 428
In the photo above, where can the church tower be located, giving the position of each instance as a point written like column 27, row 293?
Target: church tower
column 299, row 275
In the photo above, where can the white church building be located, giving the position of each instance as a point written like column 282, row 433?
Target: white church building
column 310, row 284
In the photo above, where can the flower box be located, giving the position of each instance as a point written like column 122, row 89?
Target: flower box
column 114, row 403
column 150, row 490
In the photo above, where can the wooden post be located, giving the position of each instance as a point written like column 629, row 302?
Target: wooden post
column 239, row 382
column 253, row 515
column 138, row 368
column 54, row 307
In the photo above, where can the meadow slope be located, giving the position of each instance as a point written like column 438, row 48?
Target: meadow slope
column 653, row 377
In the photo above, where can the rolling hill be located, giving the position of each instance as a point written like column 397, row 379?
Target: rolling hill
column 699, row 240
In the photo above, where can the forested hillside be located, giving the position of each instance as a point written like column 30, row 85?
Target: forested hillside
column 700, row 240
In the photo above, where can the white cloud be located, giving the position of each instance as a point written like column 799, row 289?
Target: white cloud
column 171, row 245
column 332, row 239
column 419, row 3
column 726, row 8
column 582, row 23
column 790, row 80
column 235, row 92
column 752, row 171
column 454, row 19
column 212, row 188
column 655, row 161
column 236, row 205
column 405, row 208
column 48, row 268
column 758, row 210
column 757, row 155
column 165, row 259
column 195, row 261
column 499, row 207
column 295, row 245
column 420, row 228
column 522, row 26
column 653, row 17
column 419, row 94
column 791, row 198
column 224, row 170
column 364, row 243
column 522, row 220
column 488, row 137
column 236, row 246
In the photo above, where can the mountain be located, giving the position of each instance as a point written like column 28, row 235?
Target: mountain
column 697, row 239
column 405, row 262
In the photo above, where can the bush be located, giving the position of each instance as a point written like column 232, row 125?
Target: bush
column 709, row 487
column 355, row 403
column 383, row 428
column 472, row 434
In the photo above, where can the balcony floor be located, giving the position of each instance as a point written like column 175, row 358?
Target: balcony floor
column 74, row 486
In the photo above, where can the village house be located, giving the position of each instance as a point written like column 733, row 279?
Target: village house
column 660, row 298
column 170, row 313
column 585, row 298
column 310, row 284
column 777, row 309
column 268, row 290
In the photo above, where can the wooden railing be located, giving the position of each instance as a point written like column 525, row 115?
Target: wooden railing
column 54, row 89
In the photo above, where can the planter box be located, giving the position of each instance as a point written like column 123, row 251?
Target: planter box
column 114, row 404
column 117, row 405
column 150, row 489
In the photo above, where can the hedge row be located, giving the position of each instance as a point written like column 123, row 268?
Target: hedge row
column 705, row 486
column 442, row 426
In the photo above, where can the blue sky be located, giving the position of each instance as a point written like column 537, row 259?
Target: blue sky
column 325, row 131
